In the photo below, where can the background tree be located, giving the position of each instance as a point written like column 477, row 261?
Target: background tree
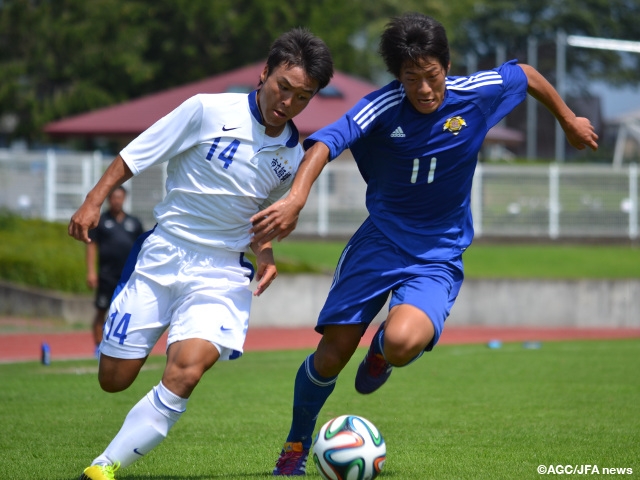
column 63, row 57
column 68, row 56
column 485, row 24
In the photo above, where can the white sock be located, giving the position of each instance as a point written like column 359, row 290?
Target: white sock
column 146, row 425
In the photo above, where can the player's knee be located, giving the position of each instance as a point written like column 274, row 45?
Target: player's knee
column 182, row 381
column 404, row 341
column 116, row 375
column 400, row 354
column 190, row 378
column 113, row 385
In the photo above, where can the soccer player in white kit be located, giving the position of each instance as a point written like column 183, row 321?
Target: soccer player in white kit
column 229, row 156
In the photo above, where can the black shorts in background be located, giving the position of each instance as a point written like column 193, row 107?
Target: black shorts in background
column 104, row 293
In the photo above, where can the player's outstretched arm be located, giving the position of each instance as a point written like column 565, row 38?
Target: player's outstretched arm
column 579, row 131
column 88, row 215
column 280, row 219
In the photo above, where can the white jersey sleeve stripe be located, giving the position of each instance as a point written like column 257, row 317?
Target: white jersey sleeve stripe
column 375, row 109
column 475, row 85
column 378, row 112
column 473, row 78
column 373, row 105
column 466, row 83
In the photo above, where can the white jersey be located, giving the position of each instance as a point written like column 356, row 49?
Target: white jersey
column 222, row 167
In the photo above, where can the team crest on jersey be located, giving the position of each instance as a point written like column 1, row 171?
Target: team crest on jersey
column 454, row 124
column 282, row 170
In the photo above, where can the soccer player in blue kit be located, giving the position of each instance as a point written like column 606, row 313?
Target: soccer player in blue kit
column 229, row 156
column 416, row 143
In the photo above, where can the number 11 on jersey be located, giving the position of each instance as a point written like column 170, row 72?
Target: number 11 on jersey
column 416, row 167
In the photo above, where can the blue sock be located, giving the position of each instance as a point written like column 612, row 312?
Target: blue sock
column 377, row 342
column 310, row 393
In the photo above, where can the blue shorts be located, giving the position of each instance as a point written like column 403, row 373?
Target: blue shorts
column 372, row 267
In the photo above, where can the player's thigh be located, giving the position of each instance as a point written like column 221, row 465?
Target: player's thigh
column 138, row 316
column 362, row 280
column 214, row 306
column 433, row 289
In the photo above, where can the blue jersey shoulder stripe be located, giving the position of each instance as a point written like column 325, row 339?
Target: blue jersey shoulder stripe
column 365, row 116
column 380, row 99
column 476, row 81
column 479, row 75
column 476, row 85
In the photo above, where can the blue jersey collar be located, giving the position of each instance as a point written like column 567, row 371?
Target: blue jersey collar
column 255, row 111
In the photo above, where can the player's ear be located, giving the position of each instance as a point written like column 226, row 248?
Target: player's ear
column 264, row 74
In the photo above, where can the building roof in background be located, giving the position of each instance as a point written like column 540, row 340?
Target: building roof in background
column 505, row 135
column 131, row 118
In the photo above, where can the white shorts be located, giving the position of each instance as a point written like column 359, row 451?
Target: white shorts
column 194, row 290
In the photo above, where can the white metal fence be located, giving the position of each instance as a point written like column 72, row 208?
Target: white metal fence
column 551, row 201
column 52, row 185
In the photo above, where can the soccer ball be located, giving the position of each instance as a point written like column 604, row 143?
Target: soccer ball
column 349, row 447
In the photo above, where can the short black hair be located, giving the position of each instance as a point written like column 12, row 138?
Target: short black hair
column 412, row 37
column 300, row 48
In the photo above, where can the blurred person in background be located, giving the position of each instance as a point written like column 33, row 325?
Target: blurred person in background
column 106, row 254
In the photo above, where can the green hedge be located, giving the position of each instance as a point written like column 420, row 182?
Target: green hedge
column 41, row 254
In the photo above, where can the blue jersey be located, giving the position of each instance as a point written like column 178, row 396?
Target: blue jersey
column 419, row 167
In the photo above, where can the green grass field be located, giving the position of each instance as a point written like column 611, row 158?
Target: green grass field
column 461, row 412
column 482, row 260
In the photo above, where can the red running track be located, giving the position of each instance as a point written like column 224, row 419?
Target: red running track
column 21, row 347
